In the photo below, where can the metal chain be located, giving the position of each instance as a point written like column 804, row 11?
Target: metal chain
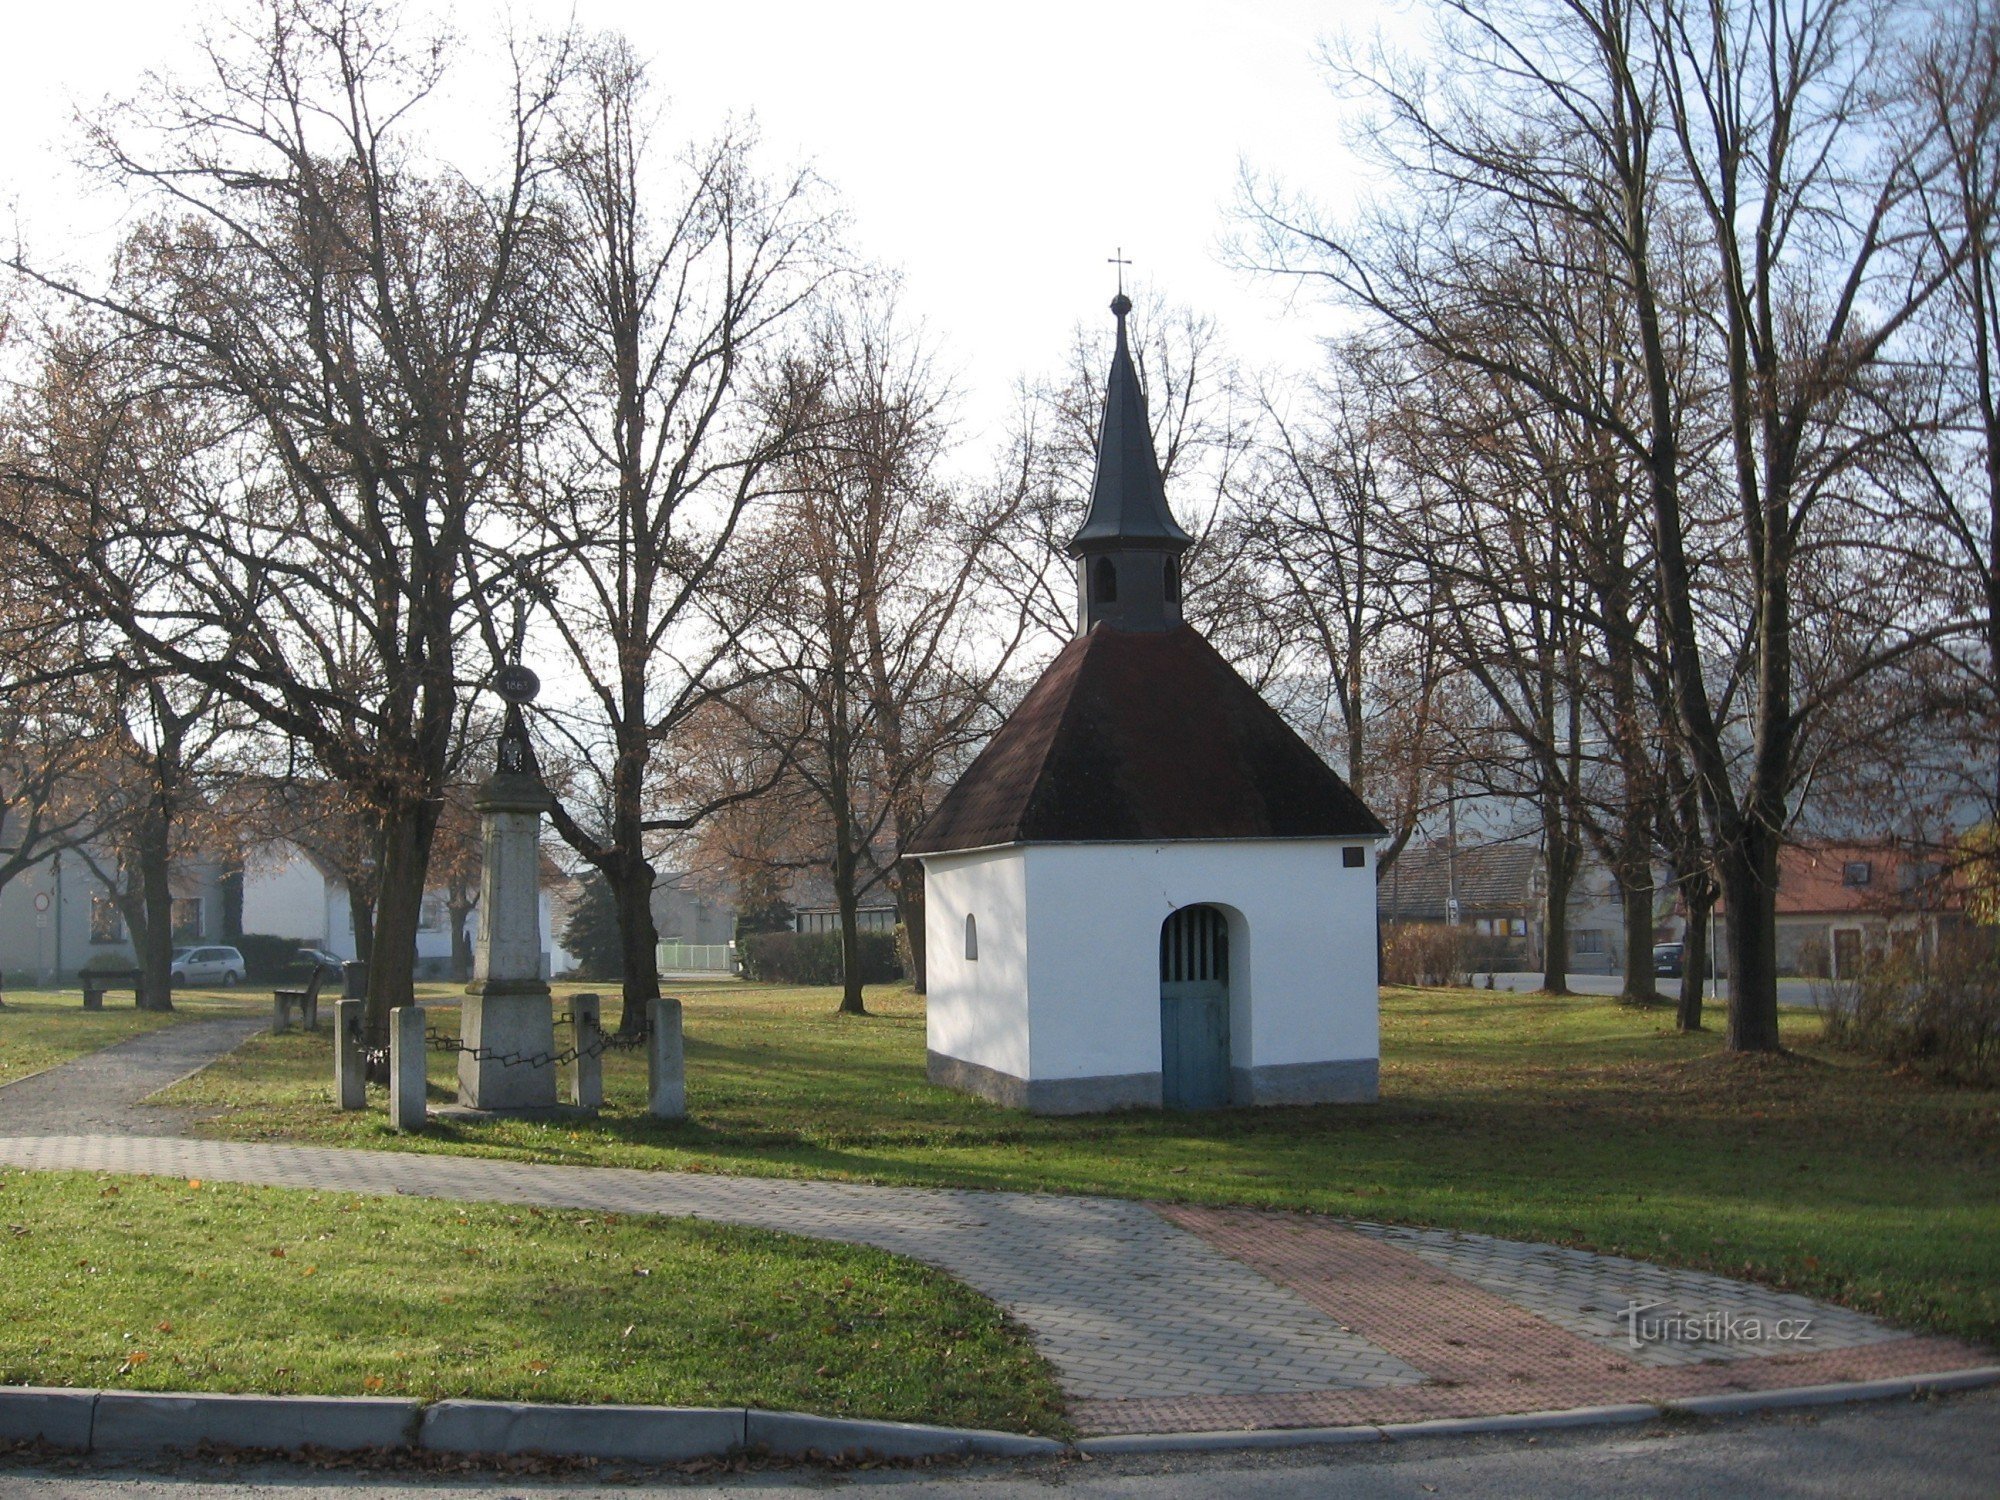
column 605, row 1041
column 377, row 1057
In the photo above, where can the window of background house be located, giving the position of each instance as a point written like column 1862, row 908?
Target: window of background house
column 107, row 923
column 1856, row 872
column 971, row 936
column 187, row 920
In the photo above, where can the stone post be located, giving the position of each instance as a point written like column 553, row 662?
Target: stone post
column 507, row 1011
column 350, row 1080
column 666, row 1084
column 407, row 1105
column 586, row 1090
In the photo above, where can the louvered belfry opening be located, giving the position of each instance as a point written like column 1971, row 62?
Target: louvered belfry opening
column 1194, row 947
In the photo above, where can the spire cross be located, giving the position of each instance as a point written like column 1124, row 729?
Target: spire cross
column 1118, row 260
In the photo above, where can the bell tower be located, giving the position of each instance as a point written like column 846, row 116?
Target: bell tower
column 1128, row 550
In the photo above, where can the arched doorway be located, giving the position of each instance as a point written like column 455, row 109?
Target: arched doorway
column 1194, row 1009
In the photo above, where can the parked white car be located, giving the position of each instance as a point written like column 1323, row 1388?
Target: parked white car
column 222, row 966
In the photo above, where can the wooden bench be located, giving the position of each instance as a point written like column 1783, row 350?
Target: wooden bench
column 97, row 981
column 305, row 1002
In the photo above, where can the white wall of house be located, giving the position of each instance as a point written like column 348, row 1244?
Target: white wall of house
column 1068, row 968
column 977, row 1009
column 284, row 894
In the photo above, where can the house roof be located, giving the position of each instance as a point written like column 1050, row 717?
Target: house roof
column 1486, row 878
column 1815, row 879
column 1141, row 736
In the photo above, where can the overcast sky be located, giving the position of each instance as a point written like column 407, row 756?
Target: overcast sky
column 995, row 154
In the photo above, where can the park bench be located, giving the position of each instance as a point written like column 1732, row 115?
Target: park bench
column 304, row 1001
column 97, row 981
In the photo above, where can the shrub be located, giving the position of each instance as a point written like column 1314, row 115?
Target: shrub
column 268, row 959
column 1426, row 953
column 1942, row 1015
column 814, row 957
column 591, row 934
column 1813, row 961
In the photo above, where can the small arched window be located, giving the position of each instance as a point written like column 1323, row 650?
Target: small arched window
column 971, row 936
column 1104, row 582
column 1173, row 580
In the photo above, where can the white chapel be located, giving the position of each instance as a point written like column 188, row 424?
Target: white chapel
column 1148, row 891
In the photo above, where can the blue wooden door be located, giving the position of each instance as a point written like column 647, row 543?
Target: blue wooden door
column 1194, row 1009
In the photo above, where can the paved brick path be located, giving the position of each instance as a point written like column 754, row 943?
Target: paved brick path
column 1167, row 1318
column 1124, row 1303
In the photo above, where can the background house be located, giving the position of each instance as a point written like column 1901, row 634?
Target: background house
column 1839, row 903
column 289, row 893
column 1500, row 891
column 59, row 916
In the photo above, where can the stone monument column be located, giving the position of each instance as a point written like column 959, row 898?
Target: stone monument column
column 507, row 1010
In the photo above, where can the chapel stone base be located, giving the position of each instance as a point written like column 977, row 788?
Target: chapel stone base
column 507, row 1018
column 1350, row 1081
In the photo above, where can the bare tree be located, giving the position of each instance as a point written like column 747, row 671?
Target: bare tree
column 876, row 573
column 336, row 314
column 1346, row 613
column 1750, row 186
column 675, row 288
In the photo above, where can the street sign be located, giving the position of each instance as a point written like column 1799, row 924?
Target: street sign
column 1451, row 911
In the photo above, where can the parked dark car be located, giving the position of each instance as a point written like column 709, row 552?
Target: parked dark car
column 1667, row 960
column 319, row 958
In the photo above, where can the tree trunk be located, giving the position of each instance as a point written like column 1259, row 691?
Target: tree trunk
column 1700, row 899
column 392, row 955
column 907, row 881
column 848, row 902
column 361, row 917
column 638, row 940
column 1560, row 861
column 1749, row 887
column 460, row 915
column 1637, row 897
column 156, row 939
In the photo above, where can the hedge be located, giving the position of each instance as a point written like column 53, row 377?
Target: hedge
column 814, row 957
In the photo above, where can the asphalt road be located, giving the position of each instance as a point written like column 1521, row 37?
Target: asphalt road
column 1941, row 1448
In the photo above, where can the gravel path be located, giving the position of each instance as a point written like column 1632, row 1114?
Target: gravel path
column 100, row 1094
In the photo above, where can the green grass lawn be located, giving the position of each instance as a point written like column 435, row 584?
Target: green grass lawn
column 135, row 1283
column 40, row 1028
column 1570, row 1120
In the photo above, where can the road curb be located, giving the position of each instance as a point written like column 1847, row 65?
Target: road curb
column 1736, row 1403
column 126, row 1423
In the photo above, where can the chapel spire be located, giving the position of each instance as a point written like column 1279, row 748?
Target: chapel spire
column 1128, row 549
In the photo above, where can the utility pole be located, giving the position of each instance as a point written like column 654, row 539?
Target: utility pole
column 56, row 866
